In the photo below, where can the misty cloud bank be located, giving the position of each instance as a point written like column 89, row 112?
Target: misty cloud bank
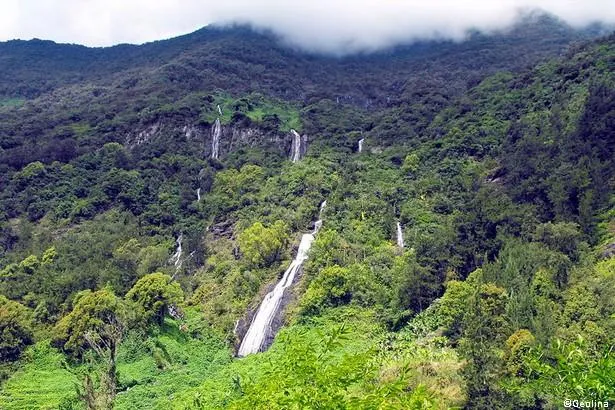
column 365, row 25
column 337, row 26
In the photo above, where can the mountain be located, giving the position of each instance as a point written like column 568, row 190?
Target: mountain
column 114, row 90
column 429, row 226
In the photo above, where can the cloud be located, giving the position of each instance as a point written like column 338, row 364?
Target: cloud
column 333, row 25
column 338, row 26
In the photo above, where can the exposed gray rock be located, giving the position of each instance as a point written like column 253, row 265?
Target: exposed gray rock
column 229, row 137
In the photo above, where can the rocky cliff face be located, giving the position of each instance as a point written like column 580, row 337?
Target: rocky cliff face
column 243, row 323
column 232, row 137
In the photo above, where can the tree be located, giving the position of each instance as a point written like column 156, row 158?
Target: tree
column 152, row 296
column 411, row 164
column 418, row 286
column 564, row 237
column 262, row 246
column 332, row 287
column 485, row 330
column 15, row 329
column 452, row 307
column 96, row 322
column 104, row 343
column 93, row 312
column 126, row 257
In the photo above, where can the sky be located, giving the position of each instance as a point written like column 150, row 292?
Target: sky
column 337, row 26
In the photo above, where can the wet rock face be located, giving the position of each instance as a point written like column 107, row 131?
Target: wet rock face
column 143, row 136
column 270, row 315
column 216, row 133
column 222, row 229
column 298, row 146
column 243, row 324
column 230, row 137
column 608, row 251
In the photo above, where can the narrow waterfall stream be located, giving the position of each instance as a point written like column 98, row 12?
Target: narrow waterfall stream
column 198, row 195
column 361, row 144
column 400, row 236
column 176, row 258
column 261, row 326
column 215, row 140
column 295, row 152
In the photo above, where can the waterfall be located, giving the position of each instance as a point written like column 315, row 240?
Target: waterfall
column 219, row 110
column 295, row 152
column 176, row 258
column 198, row 195
column 318, row 223
column 322, row 209
column 260, row 328
column 215, row 141
column 361, row 145
column 400, row 236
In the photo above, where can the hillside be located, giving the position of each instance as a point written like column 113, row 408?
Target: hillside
column 111, row 91
column 153, row 195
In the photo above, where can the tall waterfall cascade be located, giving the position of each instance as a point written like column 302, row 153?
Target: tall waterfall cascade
column 361, row 144
column 295, row 151
column 400, row 236
column 219, row 110
column 261, row 326
column 215, row 140
column 198, row 195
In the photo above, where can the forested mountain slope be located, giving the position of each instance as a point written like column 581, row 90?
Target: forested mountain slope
column 111, row 91
column 149, row 203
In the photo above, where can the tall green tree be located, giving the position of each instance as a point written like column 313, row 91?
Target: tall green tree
column 260, row 245
column 152, row 296
column 93, row 330
column 485, row 331
column 15, row 329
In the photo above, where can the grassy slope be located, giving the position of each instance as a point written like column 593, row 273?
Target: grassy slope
column 174, row 369
column 175, row 362
column 314, row 364
column 42, row 383
column 152, row 370
column 11, row 102
column 255, row 106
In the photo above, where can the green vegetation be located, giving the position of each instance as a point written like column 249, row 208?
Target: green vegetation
column 120, row 287
column 15, row 329
column 42, row 382
column 152, row 369
column 11, row 102
column 335, row 361
column 260, row 110
column 262, row 246
column 153, row 295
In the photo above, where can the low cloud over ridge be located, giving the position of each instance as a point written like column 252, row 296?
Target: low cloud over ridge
column 337, row 26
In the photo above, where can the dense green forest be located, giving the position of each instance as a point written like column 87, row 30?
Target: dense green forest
column 132, row 257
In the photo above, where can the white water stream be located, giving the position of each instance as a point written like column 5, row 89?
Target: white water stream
column 400, row 236
column 260, row 328
column 176, row 258
column 361, row 144
column 215, row 140
column 295, row 152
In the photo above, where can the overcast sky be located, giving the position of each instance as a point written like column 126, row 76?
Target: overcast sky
column 324, row 25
